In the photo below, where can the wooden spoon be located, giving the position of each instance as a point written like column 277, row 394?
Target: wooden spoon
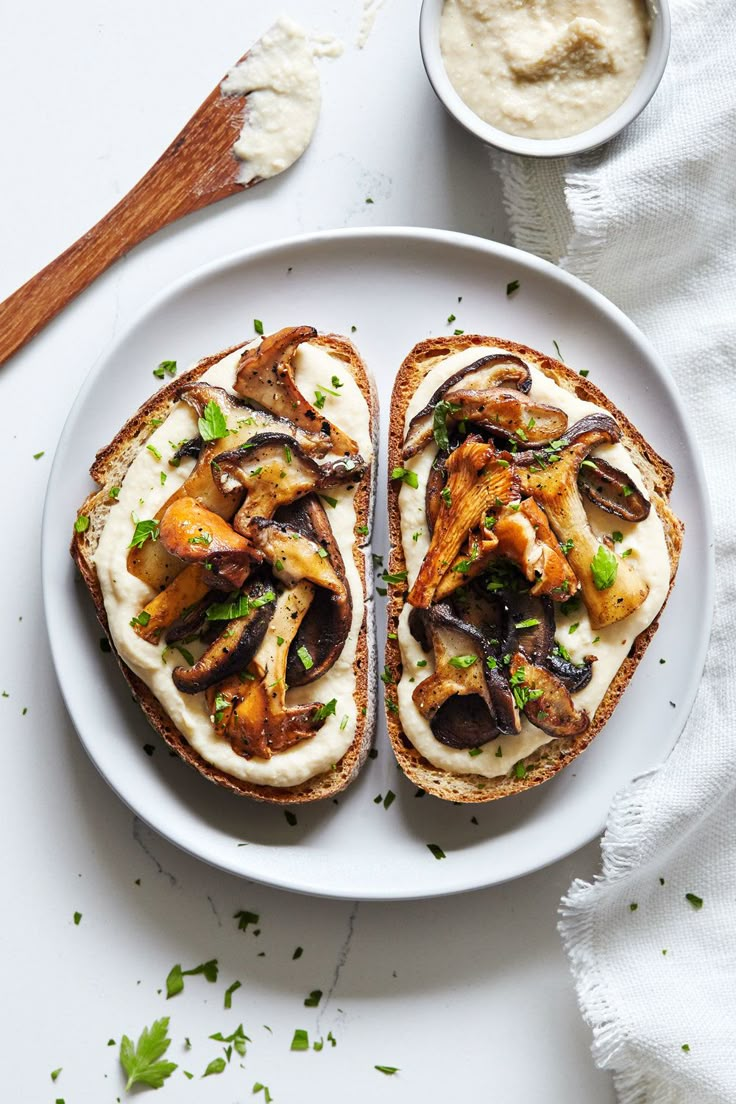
column 198, row 168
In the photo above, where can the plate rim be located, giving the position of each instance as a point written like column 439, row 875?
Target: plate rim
column 438, row 237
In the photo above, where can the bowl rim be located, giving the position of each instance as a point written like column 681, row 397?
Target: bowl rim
column 640, row 95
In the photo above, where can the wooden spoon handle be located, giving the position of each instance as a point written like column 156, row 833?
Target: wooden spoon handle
column 197, row 168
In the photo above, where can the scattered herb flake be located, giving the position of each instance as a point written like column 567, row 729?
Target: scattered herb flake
column 388, row 1070
column 436, row 850
column 329, row 500
column 77, row 918
column 300, row 1040
column 217, row 1065
column 695, row 901
column 165, row 368
column 229, row 993
column 512, row 287
column 245, row 918
column 389, row 799
column 557, row 350
column 290, row 818
column 313, row 999
column 633, row 906
column 324, row 711
column 81, row 525
column 38, row 455
column 298, row 952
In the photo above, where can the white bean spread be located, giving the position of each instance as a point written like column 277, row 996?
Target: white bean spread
column 544, row 68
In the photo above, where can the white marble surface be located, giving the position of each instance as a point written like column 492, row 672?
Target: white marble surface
column 469, row 996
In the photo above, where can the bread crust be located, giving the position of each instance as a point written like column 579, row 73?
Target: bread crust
column 658, row 478
column 109, row 468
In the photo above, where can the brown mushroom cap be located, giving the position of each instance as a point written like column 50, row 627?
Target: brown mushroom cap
column 612, row 490
column 468, row 704
column 266, row 376
column 326, row 624
column 236, row 645
column 274, row 470
column 488, row 371
column 544, row 699
column 504, row 412
column 198, row 536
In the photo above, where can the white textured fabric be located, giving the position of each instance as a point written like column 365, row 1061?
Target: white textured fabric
column 650, row 221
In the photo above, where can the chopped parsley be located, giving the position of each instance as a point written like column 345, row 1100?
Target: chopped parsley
column 528, row 624
column 141, row 620
column 567, row 546
column 245, row 918
column 305, row 657
column 324, row 711
column 144, row 530
column 362, row 530
column 617, row 537
column 463, row 661
column 519, row 770
column 38, row 455
column 319, row 399
column 114, row 492
column 394, row 577
column 522, row 693
column 387, row 1069
column 329, row 500
column 436, row 850
column 603, row 568
column 408, row 477
column 217, row 1065
column 446, row 496
column 142, row 1063
column 154, row 452
column 258, row 326
column 77, row 918
column 584, row 372
column 298, row 952
column 389, row 799
column 300, row 1040
column 81, row 525
column 513, row 286
column 290, row 818
column 203, row 538
column 229, row 993
column 439, row 423
column 240, row 605
column 313, row 999
column 175, row 978
column 695, row 901
column 165, row 368
column 557, row 350
column 336, row 381
column 212, row 426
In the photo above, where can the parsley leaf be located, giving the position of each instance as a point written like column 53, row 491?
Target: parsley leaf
column 313, row 999
column 81, row 525
column 141, row 1063
column 213, row 425
column 512, row 287
column 258, row 325
column 144, row 530
column 439, row 423
column 217, row 1065
column 463, row 661
column 324, row 711
column 604, row 567
column 165, row 368
column 695, row 901
column 436, row 850
column 388, row 1070
column 245, row 918
column 229, row 993
column 409, row 477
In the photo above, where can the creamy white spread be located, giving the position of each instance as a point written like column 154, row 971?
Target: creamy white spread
column 280, row 78
column 543, row 68
column 142, row 494
column 644, row 540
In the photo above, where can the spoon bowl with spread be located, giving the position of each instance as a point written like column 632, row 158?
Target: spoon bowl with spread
column 547, row 78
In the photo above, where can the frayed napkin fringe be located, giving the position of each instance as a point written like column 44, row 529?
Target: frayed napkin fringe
column 527, row 222
column 589, row 219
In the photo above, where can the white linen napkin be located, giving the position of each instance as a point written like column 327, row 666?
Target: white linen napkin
column 650, row 221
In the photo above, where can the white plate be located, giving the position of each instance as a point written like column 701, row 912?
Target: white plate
column 395, row 286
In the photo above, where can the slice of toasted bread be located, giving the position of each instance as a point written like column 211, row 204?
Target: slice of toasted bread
column 657, row 477
column 109, row 470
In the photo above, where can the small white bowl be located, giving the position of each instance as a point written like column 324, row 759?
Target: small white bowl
column 635, row 102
